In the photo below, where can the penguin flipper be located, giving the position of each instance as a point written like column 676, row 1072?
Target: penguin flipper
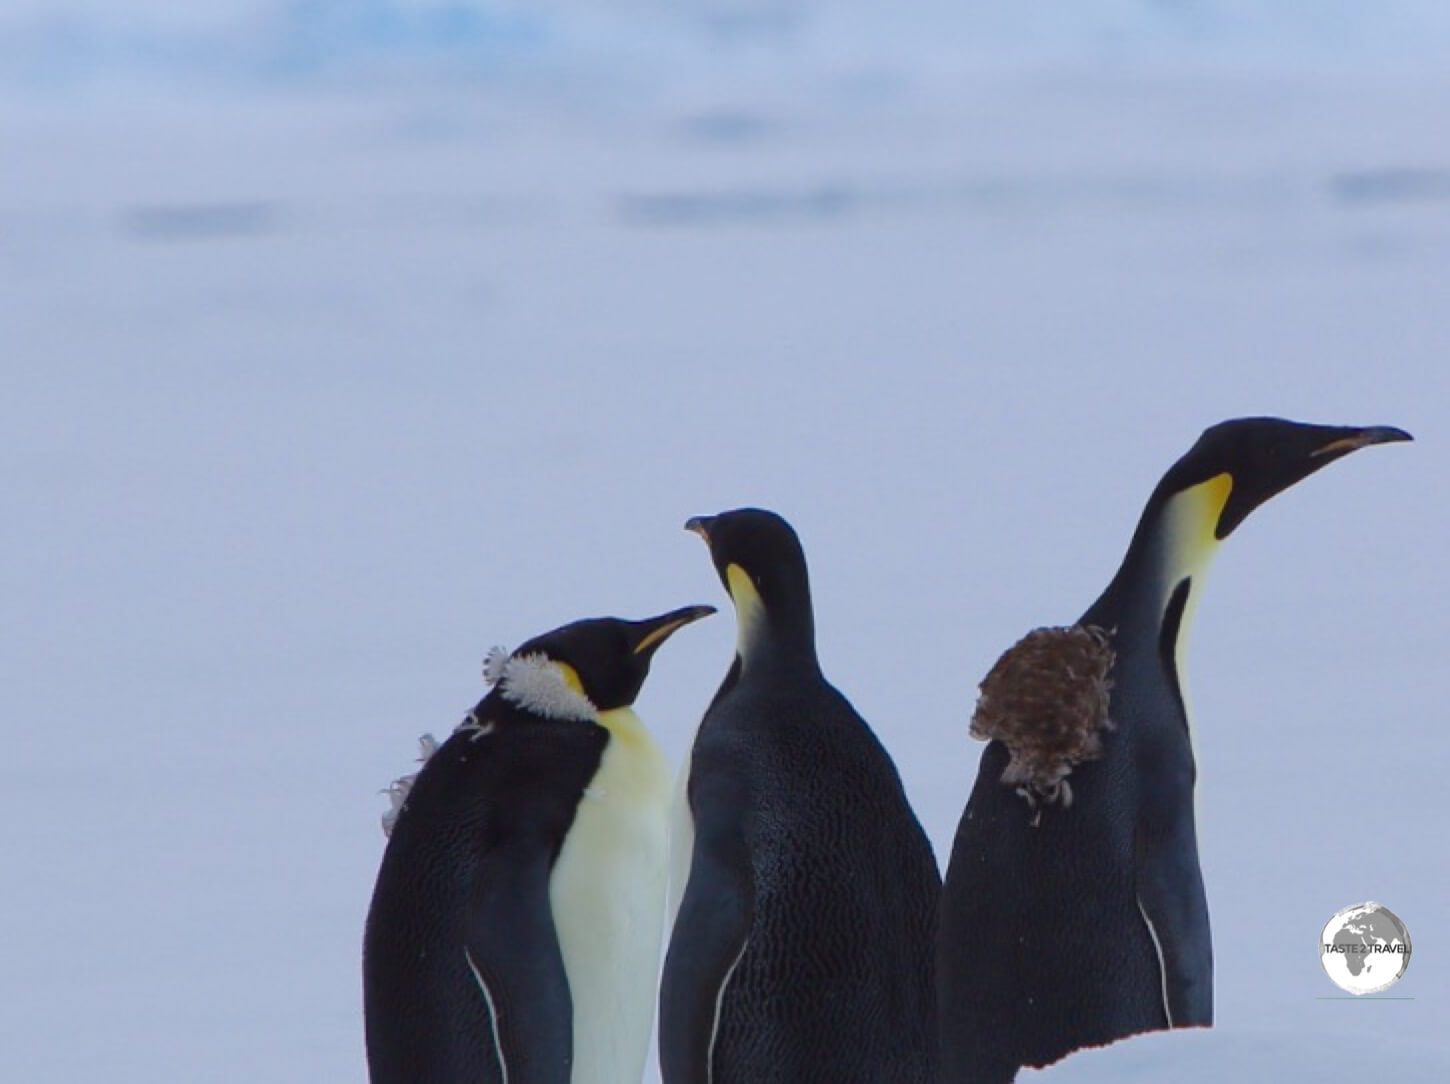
column 1174, row 909
column 711, row 933
column 512, row 950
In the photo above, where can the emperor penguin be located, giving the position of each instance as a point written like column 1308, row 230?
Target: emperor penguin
column 802, row 944
column 1073, row 912
column 514, row 932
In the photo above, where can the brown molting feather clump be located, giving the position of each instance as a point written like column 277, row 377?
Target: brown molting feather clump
column 1046, row 700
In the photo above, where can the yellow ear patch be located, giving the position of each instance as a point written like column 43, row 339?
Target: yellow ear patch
column 749, row 606
column 742, row 588
column 570, row 676
column 1211, row 496
column 1190, row 523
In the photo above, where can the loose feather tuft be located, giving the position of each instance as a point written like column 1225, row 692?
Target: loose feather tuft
column 398, row 790
column 494, row 663
column 475, row 727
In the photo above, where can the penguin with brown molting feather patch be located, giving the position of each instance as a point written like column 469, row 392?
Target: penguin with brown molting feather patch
column 514, row 932
column 1073, row 912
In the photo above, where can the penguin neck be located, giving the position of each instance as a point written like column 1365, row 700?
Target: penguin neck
column 768, row 638
column 607, row 892
column 1156, row 588
column 628, row 734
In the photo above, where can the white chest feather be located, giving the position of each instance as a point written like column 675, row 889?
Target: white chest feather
column 607, row 894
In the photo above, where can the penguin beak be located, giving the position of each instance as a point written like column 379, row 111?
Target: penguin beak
column 1355, row 439
column 653, row 631
column 1285, row 453
column 700, row 525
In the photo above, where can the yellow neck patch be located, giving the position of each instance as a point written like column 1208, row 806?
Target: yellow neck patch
column 626, row 728
column 749, row 607
column 1190, row 521
column 1189, row 544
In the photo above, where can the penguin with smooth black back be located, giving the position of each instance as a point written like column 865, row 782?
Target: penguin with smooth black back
column 802, row 945
column 514, row 933
column 1073, row 912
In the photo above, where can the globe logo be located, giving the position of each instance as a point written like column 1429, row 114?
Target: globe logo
column 1365, row 948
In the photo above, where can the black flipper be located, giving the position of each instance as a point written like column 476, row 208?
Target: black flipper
column 1172, row 902
column 512, row 951
column 711, row 933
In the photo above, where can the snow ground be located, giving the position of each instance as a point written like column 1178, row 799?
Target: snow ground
column 314, row 393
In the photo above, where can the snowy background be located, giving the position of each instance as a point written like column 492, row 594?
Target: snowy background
column 342, row 340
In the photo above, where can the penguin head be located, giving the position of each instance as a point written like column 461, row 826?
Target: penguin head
column 1248, row 460
column 759, row 559
column 581, row 669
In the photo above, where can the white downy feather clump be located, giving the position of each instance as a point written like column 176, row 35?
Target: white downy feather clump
column 538, row 686
column 494, row 663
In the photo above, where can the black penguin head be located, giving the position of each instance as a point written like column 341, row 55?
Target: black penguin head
column 760, row 561
column 1262, row 457
column 604, row 660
